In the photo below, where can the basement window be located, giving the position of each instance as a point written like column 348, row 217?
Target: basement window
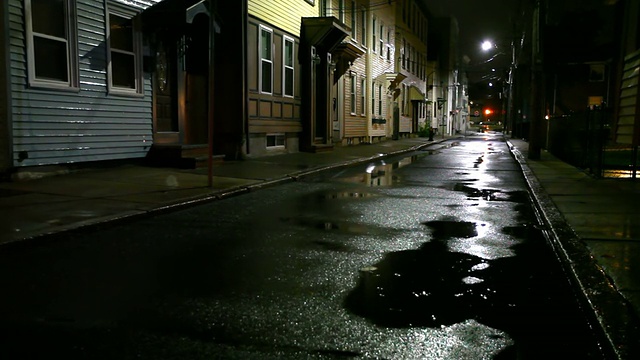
column 275, row 141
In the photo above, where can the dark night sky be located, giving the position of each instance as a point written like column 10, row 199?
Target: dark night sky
column 478, row 20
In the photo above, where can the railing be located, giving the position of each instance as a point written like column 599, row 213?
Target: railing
column 584, row 140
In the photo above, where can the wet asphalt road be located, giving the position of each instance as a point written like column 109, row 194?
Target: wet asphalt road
column 432, row 255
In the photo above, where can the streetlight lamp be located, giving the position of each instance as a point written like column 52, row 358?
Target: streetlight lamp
column 486, row 45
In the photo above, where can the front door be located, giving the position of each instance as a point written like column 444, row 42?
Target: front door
column 165, row 89
column 196, row 81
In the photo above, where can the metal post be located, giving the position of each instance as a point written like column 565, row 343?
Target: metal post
column 210, row 93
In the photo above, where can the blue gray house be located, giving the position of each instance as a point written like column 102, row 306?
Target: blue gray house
column 72, row 85
column 86, row 81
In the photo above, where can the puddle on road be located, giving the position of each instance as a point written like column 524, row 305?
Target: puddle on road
column 381, row 174
column 430, row 286
column 447, row 229
column 491, row 194
column 329, row 225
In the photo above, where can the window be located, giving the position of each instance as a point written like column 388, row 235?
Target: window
column 353, row 20
column 379, row 99
column 363, row 96
column 266, row 60
column 388, row 44
column 341, row 10
column 124, row 69
column 324, row 8
column 381, row 39
column 275, row 141
column 363, row 26
column 352, row 89
column 51, row 43
column 287, row 62
column 373, row 98
column 373, row 33
column 404, row 56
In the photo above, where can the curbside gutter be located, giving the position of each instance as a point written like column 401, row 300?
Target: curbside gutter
column 609, row 312
column 215, row 195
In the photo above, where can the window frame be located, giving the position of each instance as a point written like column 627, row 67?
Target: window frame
column 115, row 9
column 287, row 39
column 363, row 26
column 354, row 21
column 71, row 45
column 262, row 28
column 353, row 91
column 363, row 96
column 374, row 45
column 381, row 38
column 373, row 98
column 276, row 137
column 379, row 99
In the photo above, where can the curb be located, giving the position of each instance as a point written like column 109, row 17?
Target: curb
column 204, row 199
column 609, row 313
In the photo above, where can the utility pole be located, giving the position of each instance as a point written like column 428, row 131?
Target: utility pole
column 537, row 82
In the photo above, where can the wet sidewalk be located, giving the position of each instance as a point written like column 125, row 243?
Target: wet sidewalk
column 594, row 224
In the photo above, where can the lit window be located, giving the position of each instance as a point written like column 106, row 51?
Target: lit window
column 266, row 60
column 288, row 66
column 51, row 43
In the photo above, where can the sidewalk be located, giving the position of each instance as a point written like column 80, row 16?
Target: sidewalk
column 593, row 224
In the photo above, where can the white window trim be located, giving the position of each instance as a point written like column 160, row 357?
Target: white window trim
column 138, row 90
column 363, row 96
column 374, row 26
column 261, row 29
column 373, row 98
column 381, row 39
column 363, row 26
column 353, row 94
column 285, row 67
column 354, row 21
column 71, row 42
column 380, row 99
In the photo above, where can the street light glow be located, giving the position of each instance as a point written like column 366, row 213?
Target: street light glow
column 486, row 45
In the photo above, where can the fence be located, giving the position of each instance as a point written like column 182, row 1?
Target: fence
column 584, row 140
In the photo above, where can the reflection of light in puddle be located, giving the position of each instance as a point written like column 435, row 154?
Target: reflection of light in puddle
column 470, row 280
column 480, row 266
column 381, row 174
column 481, row 250
column 618, row 174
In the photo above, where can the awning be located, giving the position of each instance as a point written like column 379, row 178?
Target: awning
column 348, row 51
column 394, row 79
column 415, row 94
column 325, row 32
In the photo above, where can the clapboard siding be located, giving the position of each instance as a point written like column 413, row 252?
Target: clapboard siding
column 57, row 127
column 285, row 14
column 5, row 144
column 626, row 121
